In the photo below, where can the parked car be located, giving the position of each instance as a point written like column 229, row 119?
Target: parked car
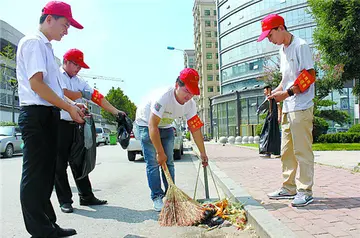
column 102, row 135
column 10, row 140
column 134, row 147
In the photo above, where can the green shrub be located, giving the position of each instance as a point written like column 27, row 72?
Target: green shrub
column 342, row 137
column 355, row 129
column 187, row 135
column 7, row 123
column 320, row 128
column 258, row 129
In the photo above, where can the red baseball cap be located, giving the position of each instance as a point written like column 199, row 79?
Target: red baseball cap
column 77, row 57
column 190, row 78
column 268, row 23
column 61, row 9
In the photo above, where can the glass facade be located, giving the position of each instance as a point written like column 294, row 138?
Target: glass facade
column 242, row 58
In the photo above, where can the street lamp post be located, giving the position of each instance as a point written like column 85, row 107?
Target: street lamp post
column 187, row 56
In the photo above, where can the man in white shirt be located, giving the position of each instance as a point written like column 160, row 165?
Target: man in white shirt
column 297, row 118
column 41, row 98
column 74, row 88
column 153, row 120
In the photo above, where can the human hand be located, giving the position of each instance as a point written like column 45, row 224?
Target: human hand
column 296, row 89
column 120, row 116
column 204, row 159
column 161, row 158
column 81, row 106
column 76, row 114
column 279, row 96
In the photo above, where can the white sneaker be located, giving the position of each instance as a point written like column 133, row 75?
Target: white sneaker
column 158, row 204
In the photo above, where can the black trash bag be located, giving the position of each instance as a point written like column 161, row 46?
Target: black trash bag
column 83, row 149
column 264, row 107
column 124, row 129
column 270, row 140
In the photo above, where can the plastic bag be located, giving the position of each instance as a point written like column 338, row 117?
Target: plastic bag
column 270, row 140
column 125, row 127
column 83, row 149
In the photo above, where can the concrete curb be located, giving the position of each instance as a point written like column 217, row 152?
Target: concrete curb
column 265, row 224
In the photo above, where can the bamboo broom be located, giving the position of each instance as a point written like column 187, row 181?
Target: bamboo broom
column 179, row 209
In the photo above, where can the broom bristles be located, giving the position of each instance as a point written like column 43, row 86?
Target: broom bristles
column 179, row 209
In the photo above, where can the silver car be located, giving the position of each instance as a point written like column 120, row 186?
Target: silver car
column 102, row 135
column 10, row 140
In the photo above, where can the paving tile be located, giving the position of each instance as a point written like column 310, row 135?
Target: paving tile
column 303, row 234
column 336, row 231
column 336, row 192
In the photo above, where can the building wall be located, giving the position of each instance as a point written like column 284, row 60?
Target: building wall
column 206, row 51
column 189, row 59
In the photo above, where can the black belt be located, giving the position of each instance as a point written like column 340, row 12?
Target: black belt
column 43, row 106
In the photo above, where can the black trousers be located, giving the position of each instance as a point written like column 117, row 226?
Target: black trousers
column 66, row 134
column 38, row 125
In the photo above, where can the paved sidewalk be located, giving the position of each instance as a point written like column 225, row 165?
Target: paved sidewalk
column 335, row 211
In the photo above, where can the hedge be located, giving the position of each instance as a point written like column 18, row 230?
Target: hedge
column 354, row 129
column 342, row 137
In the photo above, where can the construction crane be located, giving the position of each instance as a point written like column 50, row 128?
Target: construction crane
column 100, row 77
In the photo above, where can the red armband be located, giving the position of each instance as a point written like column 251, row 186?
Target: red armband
column 96, row 97
column 194, row 123
column 304, row 80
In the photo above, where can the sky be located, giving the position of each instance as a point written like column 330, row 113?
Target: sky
column 124, row 39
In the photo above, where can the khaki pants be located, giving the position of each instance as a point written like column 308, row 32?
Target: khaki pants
column 296, row 149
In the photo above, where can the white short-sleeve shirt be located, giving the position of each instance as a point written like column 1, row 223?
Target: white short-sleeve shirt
column 164, row 105
column 75, row 84
column 35, row 54
column 293, row 59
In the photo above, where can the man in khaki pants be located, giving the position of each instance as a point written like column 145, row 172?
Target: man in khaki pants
column 297, row 119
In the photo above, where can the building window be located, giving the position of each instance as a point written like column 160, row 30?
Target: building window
column 209, row 67
column 208, row 44
column 217, row 77
column 207, row 12
column 208, row 33
column 217, row 66
column 215, row 33
column 210, row 77
column 208, row 55
column 210, row 89
column 216, row 55
column 214, row 12
column 215, row 23
column 207, row 23
column 216, row 45
column 218, row 88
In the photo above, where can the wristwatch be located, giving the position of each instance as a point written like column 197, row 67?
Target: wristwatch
column 290, row 92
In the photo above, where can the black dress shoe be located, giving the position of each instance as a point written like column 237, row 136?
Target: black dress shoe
column 67, row 208
column 92, row 201
column 61, row 232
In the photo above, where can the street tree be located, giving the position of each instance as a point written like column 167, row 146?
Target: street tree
column 337, row 37
column 8, row 73
column 119, row 100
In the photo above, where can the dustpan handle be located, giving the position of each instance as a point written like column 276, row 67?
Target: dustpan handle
column 206, row 183
column 212, row 176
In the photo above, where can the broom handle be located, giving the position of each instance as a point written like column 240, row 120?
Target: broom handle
column 167, row 174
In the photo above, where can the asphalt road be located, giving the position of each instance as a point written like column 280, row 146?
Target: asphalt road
column 129, row 211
